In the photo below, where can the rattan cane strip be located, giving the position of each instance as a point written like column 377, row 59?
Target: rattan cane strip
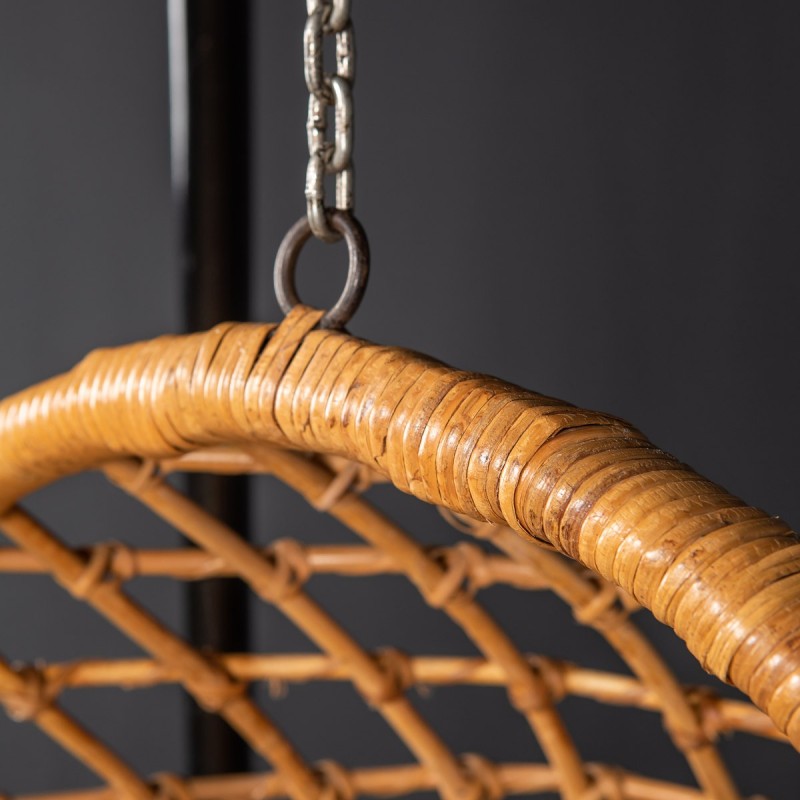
column 202, row 677
column 687, row 724
column 594, row 604
column 718, row 715
column 189, row 564
column 28, row 696
column 441, row 585
column 586, row 482
column 281, row 585
column 399, row 781
column 148, row 473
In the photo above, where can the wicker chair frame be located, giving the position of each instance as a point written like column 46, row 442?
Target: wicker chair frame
column 329, row 415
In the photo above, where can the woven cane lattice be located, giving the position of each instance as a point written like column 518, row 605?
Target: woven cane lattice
column 246, row 399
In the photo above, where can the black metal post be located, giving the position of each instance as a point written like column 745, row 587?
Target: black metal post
column 209, row 66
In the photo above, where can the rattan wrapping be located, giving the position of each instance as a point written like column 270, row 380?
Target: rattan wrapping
column 724, row 575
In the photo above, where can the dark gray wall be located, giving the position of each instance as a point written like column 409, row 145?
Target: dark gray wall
column 87, row 247
column 595, row 200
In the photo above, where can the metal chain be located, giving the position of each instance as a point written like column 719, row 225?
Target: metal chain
column 327, row 157
column 331, row 18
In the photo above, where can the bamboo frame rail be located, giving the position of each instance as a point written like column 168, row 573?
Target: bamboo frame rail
column 248, row 398
column 398, row 781
column 23, row 694
column 720, row 714
column 126, row 563
column 201, row 676
column 595, row 604
column 280, row 584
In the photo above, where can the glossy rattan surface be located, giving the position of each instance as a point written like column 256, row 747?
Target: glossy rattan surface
column 525, row 474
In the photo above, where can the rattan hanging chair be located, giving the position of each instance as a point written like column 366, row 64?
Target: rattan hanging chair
column 532, row 477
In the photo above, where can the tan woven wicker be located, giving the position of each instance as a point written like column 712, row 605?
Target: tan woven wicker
column 329, row 414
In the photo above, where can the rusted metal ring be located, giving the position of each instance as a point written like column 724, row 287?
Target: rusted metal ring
column 357, row 269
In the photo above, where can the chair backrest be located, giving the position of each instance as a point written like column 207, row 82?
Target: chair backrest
column 538, row 478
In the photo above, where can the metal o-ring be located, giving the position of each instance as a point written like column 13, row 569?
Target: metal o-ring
column 357, row 268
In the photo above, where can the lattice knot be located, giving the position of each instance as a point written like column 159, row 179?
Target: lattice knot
column 290, row 571
column 530, row 695
column 398, row 674
column 147, row 476
column 169, row 786
column 217, row 692
column 485, row 774
column 461, row 522
column 479, row 575
column 349, row 475
column 463, row 569
column 710, row 720
column 551, row 674
column 124, row 564
column 606, row 783
column 337, row 781
column 28, row 697
column 483, row 529
column 603, row 609
column 108, row 561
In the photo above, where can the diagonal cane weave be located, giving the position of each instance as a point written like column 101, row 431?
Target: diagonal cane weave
column 535, row 477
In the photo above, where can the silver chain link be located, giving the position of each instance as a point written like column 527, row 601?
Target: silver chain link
column 326, row 157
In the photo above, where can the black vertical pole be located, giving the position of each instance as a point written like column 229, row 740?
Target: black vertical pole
column 209, row 65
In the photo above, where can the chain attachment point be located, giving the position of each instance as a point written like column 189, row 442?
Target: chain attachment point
column 345, row 225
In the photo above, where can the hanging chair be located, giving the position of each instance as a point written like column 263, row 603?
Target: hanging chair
column 546, row 495
column 329, row 414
